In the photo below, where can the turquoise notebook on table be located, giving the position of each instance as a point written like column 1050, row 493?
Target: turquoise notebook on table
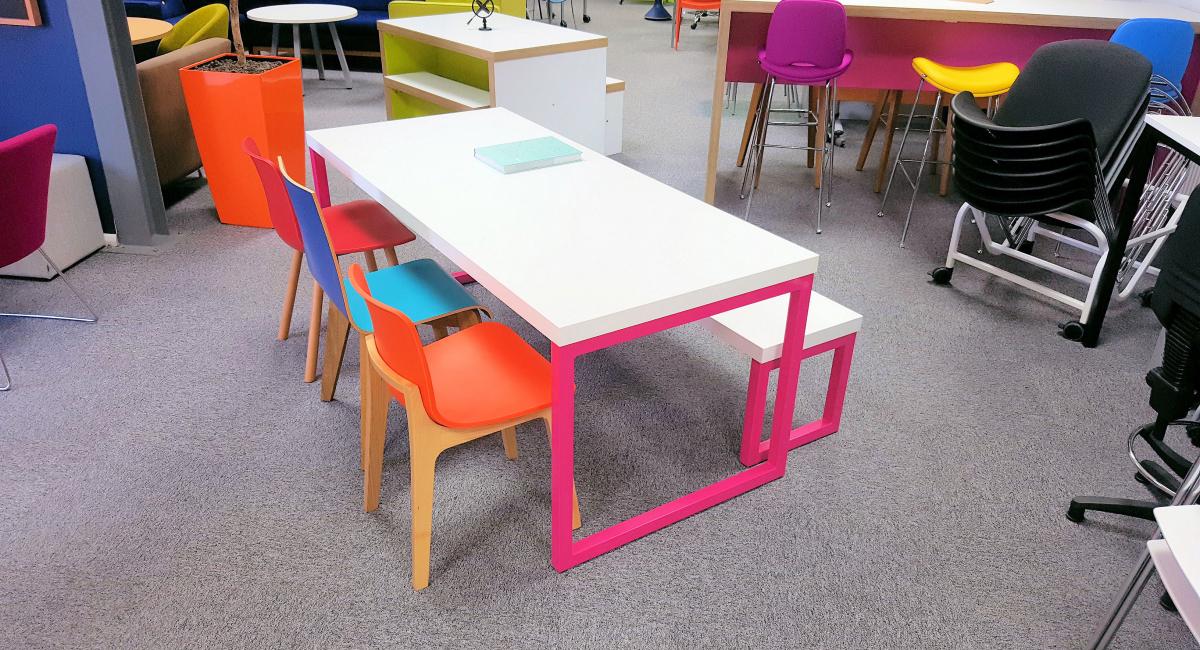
column 523, row 155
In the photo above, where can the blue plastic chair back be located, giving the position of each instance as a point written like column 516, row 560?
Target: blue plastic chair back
column 322, row 263
column 1166, row 42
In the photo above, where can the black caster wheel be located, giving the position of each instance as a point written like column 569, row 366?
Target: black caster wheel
column 1025, row 247
column 1075, row 514
column 693, row 27
column 587, row 18
column 562, row 23
column 1166, row 603
column 1146, row 296
column 941, row 275
column 1137, row 476
column 1071, row 330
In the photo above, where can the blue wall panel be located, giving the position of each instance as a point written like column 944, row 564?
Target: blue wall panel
column 41, row 83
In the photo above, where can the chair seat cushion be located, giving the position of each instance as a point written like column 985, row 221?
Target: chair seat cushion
column 980, row 80
column 421, row 289
column 799, row 73
column 486, row 374
column 364, row 225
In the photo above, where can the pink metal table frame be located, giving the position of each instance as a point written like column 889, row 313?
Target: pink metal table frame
column 567, row 552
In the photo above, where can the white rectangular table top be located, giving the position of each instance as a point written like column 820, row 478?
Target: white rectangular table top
column 1180, row 526
column 508, row 38
column 1184, row 131
column 1051, row 13
column 577, row 250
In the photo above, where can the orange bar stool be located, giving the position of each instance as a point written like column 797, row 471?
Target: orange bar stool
column 984, row 81
column 480, row 380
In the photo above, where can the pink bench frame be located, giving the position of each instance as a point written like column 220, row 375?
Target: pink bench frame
column 754, row 449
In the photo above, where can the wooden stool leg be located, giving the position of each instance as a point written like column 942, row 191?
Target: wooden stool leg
column 314, row 334
column 289, row 296
column 885, row 156
column 872, row 126
column 755, row 97
column 390, row 254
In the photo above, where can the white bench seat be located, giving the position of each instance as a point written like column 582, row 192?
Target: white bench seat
column 757, row 330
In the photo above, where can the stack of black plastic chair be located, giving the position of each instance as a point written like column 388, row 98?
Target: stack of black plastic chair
column 1051, row 158
column 1173, row 386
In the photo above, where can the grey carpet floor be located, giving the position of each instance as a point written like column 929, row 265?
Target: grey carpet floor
column 169, row 481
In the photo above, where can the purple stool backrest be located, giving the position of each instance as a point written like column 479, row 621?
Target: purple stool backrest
column 807, row 32
column 24, row 191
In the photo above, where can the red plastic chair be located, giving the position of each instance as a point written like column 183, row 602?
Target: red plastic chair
column 25, row 162
column 361, row 226
column 478, row 381
column 691, row 5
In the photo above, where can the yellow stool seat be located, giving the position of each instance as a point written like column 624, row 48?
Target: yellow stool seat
column 980, row 80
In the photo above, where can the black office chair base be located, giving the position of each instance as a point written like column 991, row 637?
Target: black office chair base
column 1071, row 330
column 942, row 275
column 1127, row 507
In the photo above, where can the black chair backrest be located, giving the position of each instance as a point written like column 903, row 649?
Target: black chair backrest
column 1104, row 83
column 1176, row 303
column 1022, row 171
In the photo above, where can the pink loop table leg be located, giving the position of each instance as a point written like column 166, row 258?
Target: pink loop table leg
column 565, row 551
column 756, row 405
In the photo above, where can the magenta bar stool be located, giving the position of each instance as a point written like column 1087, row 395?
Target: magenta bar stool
column 806, row 46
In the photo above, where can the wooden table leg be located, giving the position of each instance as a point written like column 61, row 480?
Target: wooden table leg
column 889, row 126
column 872, row 126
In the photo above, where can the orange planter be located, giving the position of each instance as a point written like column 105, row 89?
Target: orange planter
column 225, row 109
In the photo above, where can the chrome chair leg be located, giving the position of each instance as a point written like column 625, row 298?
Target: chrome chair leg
column 825, row 193
column 900, row 152
column 759, row 137
column 934, row 118
column 58, row 273
column 7, row 379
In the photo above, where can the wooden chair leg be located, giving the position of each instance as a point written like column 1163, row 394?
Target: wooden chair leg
column 576, row 520
column 289, row 296
column 509, row 436
column 423, row 458
column 375, row 436
column 872, row 127
column 440, row 331
column 390, row 254
column 336, row 334
column 822, row 98
column 369, row 257
column 314, row 334
column 885, row 156
column 947, row 155
column 364, row 399
column 468, row 319
column 755, row 97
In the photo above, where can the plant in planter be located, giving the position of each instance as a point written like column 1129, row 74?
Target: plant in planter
column 234, row 96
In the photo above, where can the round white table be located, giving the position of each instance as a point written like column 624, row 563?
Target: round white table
column 311, row 15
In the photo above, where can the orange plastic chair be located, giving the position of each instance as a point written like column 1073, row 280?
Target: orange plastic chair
column 478, row 381
column 691, row 5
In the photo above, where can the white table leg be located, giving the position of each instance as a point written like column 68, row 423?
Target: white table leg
column 337, row 47
column 275, row 39
column 316, row 43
